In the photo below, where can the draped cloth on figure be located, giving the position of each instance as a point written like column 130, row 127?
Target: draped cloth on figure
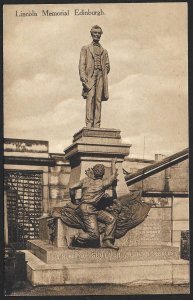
column 129, row 209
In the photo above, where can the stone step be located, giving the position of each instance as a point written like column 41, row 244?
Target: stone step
column 53, row 255
column 130, row 272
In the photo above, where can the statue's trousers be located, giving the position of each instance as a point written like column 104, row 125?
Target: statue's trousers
column 93, row 102
column 90, row 217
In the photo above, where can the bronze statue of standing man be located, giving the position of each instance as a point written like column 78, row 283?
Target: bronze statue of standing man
column 93, row 69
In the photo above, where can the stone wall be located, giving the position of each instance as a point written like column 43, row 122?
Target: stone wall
column 58, row 180
column 173, row 179
column 22, row 147
column 131, row 165
column 180, row 218
column 29, row 155
column 155, row 230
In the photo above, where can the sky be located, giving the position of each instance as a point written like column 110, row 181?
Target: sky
column 148, row 83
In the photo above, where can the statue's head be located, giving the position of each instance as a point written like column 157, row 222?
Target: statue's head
column 98, row 171
column 96, row 32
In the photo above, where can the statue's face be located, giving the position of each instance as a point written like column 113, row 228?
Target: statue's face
column 96, row 35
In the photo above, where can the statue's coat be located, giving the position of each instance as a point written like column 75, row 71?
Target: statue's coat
column 86, row 69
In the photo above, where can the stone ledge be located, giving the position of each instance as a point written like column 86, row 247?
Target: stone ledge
column 94, row 148
column 53, row 255
column 104, row 133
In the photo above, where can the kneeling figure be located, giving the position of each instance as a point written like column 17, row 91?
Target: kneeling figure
column 91, row 212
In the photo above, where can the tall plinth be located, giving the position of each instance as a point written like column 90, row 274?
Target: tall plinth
column 97, row 145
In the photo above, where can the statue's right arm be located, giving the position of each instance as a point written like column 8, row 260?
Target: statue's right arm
column 108, row 182
column 113, row 167
column 82, row 65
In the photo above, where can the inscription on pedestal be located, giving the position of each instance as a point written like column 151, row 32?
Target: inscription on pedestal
column 105, row 255
column 147, row 233
column 52, row 255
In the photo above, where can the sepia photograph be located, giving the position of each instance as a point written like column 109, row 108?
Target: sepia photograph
column 96, row 149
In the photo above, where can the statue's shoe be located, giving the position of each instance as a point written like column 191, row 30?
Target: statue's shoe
column 108, row 244
column 86, row 244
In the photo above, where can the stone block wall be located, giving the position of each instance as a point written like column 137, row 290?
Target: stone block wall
column 131, row 165
column 173, row 179
column 58, row 180
column 29, row 155
column 180, row 218
column 179, row 177
column 155, row 230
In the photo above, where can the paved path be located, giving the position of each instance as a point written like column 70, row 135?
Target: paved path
column 99, row 289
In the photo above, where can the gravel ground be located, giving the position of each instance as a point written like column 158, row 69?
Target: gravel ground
column 98, row 289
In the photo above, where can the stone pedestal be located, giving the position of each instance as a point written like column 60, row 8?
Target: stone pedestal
column 49, row 265
column 134, row 264
column 97, row 145
column 52, row 255
column 145, row 253
column 155, row 230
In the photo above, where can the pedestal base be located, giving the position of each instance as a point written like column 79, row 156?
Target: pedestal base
column 127, row 272
column 50, row 254
column 97, row 145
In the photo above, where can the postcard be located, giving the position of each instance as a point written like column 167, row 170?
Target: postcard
column 96, row 196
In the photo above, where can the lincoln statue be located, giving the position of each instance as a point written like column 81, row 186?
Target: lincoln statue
column 93, row 69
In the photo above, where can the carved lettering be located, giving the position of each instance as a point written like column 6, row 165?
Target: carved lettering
column 109, row 255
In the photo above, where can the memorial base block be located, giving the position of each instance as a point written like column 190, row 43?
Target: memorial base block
column 49, row 265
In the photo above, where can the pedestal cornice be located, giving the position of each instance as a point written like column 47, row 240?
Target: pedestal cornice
column 97, row 141
column 120, row 150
